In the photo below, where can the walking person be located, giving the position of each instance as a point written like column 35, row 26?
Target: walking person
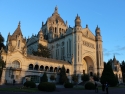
column 96, row 87
column 106, row 86
column 13, row 81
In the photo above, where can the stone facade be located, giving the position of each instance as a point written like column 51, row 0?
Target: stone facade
column 77, row 48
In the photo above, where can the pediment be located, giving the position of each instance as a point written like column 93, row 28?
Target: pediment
column 87, row 33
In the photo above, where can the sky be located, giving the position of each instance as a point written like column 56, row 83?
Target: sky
column 109, row 15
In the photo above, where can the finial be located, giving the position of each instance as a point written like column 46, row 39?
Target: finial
column 56, row 9
column 9, row 33
column 77, row 15
column 86, row 25
column 97, row 26
column 42, row 23
column 19, row 24
column 66, row 22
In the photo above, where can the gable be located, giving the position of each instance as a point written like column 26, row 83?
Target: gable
column 87, row 33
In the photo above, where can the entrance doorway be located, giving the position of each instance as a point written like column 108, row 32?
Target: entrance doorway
column 88, row 65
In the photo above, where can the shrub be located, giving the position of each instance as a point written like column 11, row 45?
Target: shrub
column 89, row 86
column 108, row 75
column 30, row 84
column 47, row 86
column 68, row 85
column 75, row 78
column 85, row 77
column 62, row 76
column 95, row 77
column 44, row 78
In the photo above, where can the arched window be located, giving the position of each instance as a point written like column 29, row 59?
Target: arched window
column 31, row 67
column 18, row 44
column 70, row 47
column 36, row 67
column 46, row 68
column 55, row 29
column 51, row 69
column 67, row 71
column 41, row 68
column 55, row 70
column 16, row 64
column 91, row 73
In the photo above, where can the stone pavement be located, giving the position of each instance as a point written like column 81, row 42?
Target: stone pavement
column 61, row 90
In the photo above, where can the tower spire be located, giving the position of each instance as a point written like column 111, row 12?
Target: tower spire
column 56, row 9
column 19, row 24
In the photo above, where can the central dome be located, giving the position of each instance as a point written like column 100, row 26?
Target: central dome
column 55, row 17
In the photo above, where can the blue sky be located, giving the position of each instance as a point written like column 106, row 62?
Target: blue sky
column 109, row 15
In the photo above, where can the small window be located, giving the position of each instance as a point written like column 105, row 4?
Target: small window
column 18, row 44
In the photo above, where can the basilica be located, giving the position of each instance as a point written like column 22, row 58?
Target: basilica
column 77, row 48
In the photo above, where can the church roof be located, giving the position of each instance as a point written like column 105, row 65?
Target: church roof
column 17, row 32
column 48, row 59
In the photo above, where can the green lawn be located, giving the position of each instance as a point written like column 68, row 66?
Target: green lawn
column 100, row 88
column 17, row 89
column 31, row 90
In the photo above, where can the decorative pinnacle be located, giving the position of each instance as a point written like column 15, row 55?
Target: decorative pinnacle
column 97, row 26
column 56, row 9
column 77, row 15
column 19, row 24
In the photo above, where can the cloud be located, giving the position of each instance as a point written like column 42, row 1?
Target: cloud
column 112, row 53
column 107, row 54
column 117, row 54
column 105, row 50
column 121, row 48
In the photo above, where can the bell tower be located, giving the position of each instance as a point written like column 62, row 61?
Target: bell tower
column 77, row 46
column 99, row 52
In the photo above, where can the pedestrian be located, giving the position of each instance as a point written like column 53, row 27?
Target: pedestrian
column 106, row 86
column 13, row 81
column 103, row 87
column 96, row 87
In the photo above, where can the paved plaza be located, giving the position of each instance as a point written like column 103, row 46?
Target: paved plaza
column 61, row 90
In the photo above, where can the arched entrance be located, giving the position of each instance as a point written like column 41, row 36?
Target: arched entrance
column 88, row 65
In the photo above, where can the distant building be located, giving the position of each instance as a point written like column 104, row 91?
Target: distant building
column 117, row 69
column 77, row 48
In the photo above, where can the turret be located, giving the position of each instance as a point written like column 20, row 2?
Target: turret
column 41, row 37
column 97, row 33
column 77, row 21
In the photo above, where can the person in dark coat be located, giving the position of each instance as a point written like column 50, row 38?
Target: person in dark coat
column 13, row 81
column 96, row 87
column 106, row 86
column 103, row 87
